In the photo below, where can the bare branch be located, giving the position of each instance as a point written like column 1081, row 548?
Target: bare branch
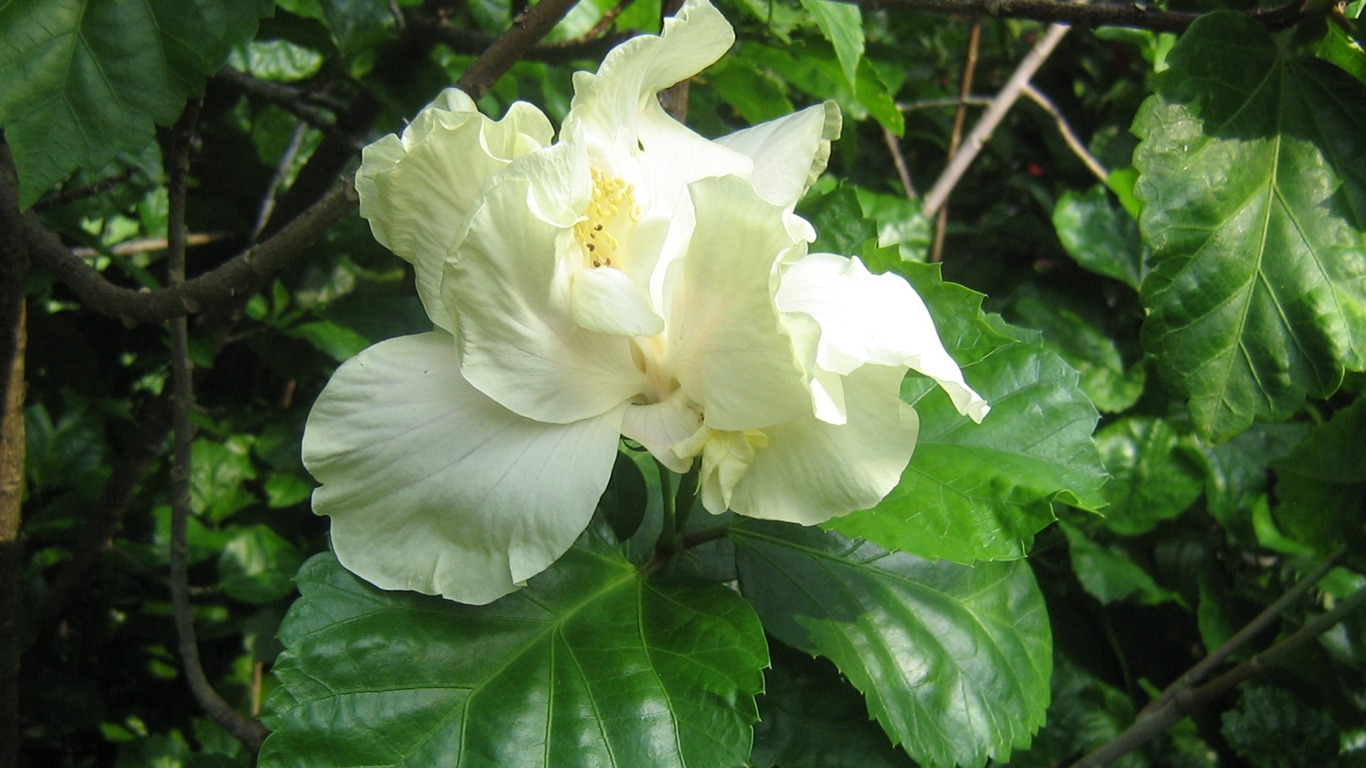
column 1073, row 141
column 250, row 733
column 1183, row 699
column 90, row 190
column 903, row 172
column 960, row 114
column 1000, row 105
column 527, row 29
column 223, row 283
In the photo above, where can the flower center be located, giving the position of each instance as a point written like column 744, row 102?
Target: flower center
column 612, row 198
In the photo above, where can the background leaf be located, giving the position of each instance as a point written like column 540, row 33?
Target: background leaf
column 590, row 663
column 1322, row 484
column 842, row 25
column 1154, row 473
column 953, row 660
column 1253, row 166
column 81, row 80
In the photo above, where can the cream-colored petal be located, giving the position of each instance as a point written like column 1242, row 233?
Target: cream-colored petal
column 433, row 487
column 417, row 191
column 789, row 153
column 728, row 347
column 659, row 427
column 867, row 318
column 812, row 471
column 509, row 288
column 607, row 301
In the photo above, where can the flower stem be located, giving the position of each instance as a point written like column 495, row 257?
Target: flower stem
column 683, row 500
column 668, row 532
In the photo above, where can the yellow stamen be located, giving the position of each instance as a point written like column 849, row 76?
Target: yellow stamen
column 611, row 198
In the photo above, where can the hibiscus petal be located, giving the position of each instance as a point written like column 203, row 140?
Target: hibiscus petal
column 867, row 318
column 417, row 191
column 510, row 288
column 728, row 347
column 607, row 301
column 661, row 426
column 789, row 153
column 433, row 487
column 812, row 471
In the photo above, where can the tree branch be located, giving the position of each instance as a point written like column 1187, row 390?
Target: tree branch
column 960, row 116
column 1181, row 700
column 1078, row 14
column 250, row 733
column 218, row 285
column 527, row 29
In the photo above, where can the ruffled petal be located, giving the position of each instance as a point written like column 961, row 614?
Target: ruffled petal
column 789, row 153
column 433, row 487
column 728, row 347
column 417, row 191
column 812, row 471
column 518, row 340
column 867, row 318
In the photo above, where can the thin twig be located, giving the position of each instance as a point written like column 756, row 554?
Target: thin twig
column 903, row 172
column 1186, row 700
column 281, row 173
column 993, row 116
column 150, row 245
column 89, row 190
column 289, row 98
column 1073, row 141
column 919, row 104
column 1241, row 638
column 960, row 115
column 250, row 733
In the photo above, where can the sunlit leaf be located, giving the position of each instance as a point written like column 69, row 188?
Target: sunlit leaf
column 842, row 25
column 589, row 665
column 954, row 661
column 1253, row 165
column 81, row 80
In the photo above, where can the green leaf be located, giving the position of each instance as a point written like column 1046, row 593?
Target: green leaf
column 357, row 26
column 624, row 502
column 218, row 477
column 285, row 489
column 1236, row 472
column 1095, row 355
column 1321, row 485
column 811, row 717
column 1100, row 236
column 954, row 661
column 336, row 341
column 1109, row 574
column 842, row 25
column 1253, row 165
column 981, row 491
column 1085, row 713
column 755, row 94
column 258, row 566
column 590, row 663
column 82, row 80
column 1154, row 475
column 1270, row 728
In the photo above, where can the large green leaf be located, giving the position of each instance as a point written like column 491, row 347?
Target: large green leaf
column 588, row 665
column 981, row 491
column 1253, row 165
column 953, row 660
column 82, row 80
